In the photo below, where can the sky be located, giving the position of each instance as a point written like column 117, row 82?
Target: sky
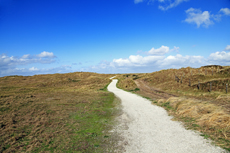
column 112, row 36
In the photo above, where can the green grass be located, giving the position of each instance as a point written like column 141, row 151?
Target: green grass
column 2, row 109
column 56, row 113
column 105, row 88
column 195, row 125
column 167, row 105
column 205, row 136
column 136, row 89
column 94, row 124
column 93, row 120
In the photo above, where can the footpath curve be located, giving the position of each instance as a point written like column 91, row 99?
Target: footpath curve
column 151, row 130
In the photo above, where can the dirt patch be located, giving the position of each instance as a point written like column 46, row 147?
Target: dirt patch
column 152, row 92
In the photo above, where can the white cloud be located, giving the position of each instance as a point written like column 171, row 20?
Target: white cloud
column 135, row 60
column 227, row 48
column 216, row 17
column 198, row 17
column 170, row 4
column 164, row 4
column 220, row 56
column 25, row 59
column 26, row 56
column 19, row 69
column 150, row 63
column 162, row 50
column 33, row 69
column 226, row 11
column 138, row 1
column 176, row 49
column 46, row 54
column 154, row 62
column 8, row 64
column 159, row 51
column 181, row 61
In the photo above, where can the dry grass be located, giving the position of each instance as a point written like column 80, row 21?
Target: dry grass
column 126, row 82
column 165, row 80
column 56, row 113
column 201, row 115
column 198, row 108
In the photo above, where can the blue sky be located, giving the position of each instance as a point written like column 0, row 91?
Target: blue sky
column 112, row 36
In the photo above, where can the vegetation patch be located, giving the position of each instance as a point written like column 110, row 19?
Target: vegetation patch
column 136, row 89
column 199, row 115
column 126, row 82
column 56, row 113
column 195, row 96
column 166, row 105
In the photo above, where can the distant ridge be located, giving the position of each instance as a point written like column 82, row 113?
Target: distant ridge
column 213, row 66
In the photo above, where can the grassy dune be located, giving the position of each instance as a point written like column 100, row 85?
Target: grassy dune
column 185, row 93
column 56, row 113
column 74, row 112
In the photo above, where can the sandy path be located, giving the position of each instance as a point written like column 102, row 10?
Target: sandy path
column 150, row 129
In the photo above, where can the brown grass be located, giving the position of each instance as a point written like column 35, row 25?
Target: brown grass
column 203, row 115
column 197, row 108
column 46, row 113
column 127, row 82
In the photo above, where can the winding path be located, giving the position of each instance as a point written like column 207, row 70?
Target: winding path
column 151, row 130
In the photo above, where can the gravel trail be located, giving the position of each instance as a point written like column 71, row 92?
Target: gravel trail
column 148, row 128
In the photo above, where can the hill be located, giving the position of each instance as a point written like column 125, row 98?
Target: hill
column 195, row 96
column 57, row 112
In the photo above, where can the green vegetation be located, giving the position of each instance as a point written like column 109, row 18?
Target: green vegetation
column 166, row 105
column 56, row 113
column 136, row 89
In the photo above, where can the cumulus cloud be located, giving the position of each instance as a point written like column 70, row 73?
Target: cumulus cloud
column 169, row 4
column 135, row 60
column 45, row 58
column 162, row 50
column 159, row 51
column 227, row 48
column 149, row 63
column 155, row 60
column 34, row 70
column 220, row 56
column 198, row 17
column 204, row 18
column 45, row 54
column 9, row 64
column 158, row 61
column 226, row 11
column 181, row 61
